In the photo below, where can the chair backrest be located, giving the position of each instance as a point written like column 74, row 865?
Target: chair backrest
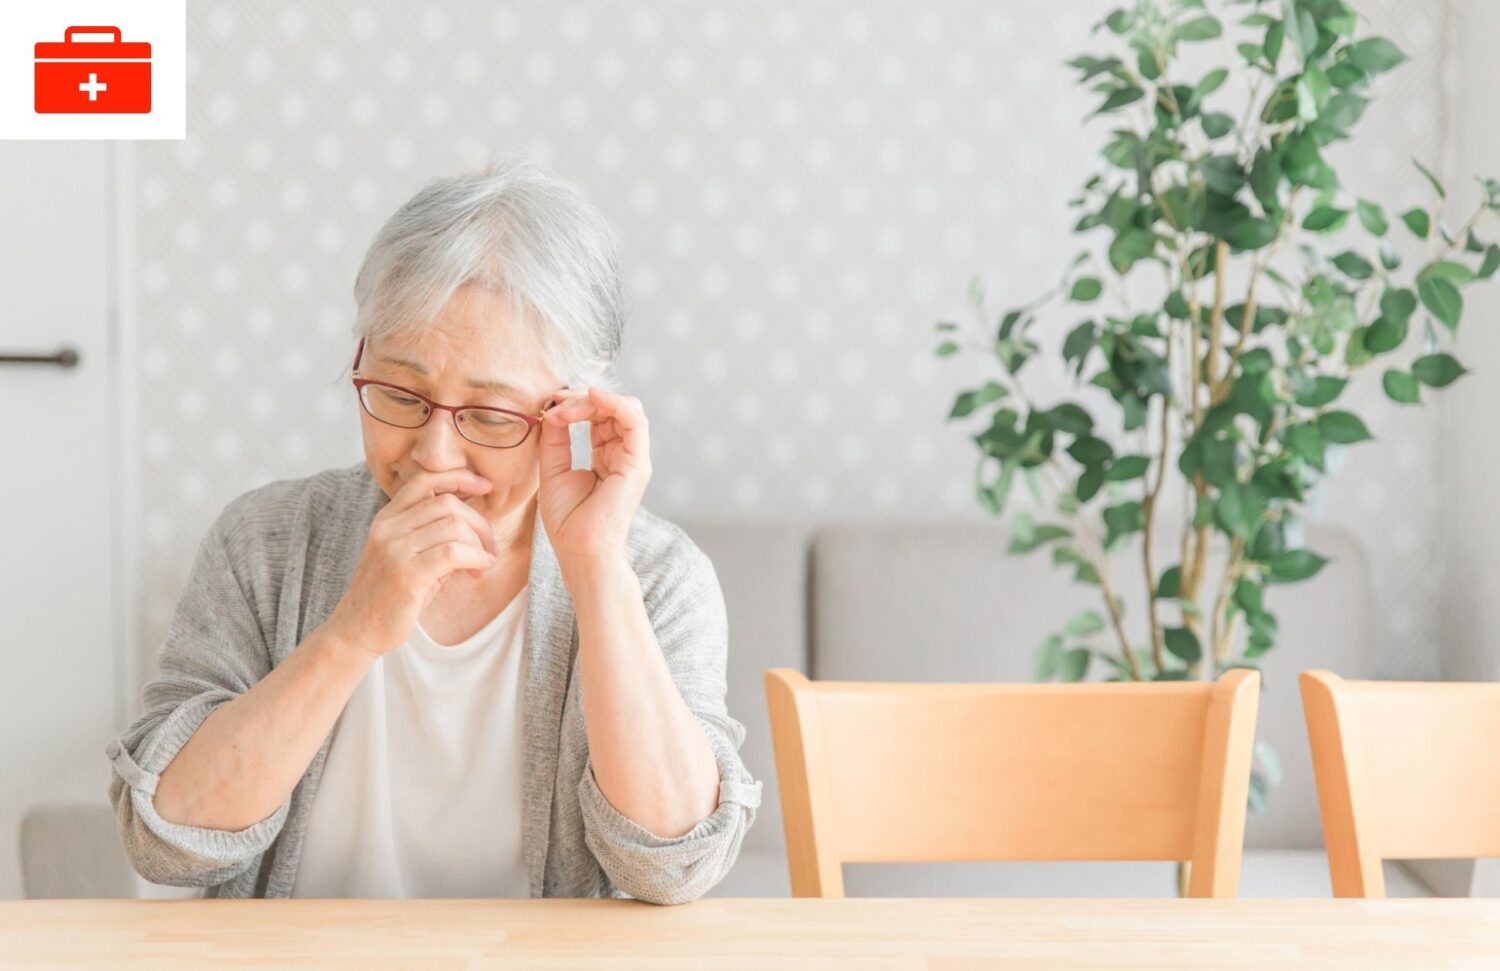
column 978, row 614
column 896, row 772
column 1406, row 770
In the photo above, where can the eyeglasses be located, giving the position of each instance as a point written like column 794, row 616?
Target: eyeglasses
column 405, row 408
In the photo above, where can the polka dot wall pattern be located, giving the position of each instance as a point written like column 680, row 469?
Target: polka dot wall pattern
column 800, row 191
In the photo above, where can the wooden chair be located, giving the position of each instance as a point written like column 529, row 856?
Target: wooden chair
column 1406, row 771
column 896, row 772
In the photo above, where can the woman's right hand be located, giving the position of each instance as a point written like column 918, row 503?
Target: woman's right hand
column 424, row 534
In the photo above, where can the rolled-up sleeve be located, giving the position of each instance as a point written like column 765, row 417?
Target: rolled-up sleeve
column 686, row 607
column 213, row 652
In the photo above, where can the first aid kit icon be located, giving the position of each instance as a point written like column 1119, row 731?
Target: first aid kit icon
column 93, row 77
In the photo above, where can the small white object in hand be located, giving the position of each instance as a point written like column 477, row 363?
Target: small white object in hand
column 580, row 444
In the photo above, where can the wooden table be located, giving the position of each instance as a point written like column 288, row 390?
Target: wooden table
column 772, row 934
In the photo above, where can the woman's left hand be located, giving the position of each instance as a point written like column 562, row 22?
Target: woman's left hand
column 588, row 512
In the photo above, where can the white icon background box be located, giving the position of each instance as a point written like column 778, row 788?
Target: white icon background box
column 160, row 23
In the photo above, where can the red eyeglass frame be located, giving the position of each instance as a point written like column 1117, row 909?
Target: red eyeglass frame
column 432, row 406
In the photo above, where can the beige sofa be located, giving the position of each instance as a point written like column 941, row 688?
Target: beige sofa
column 915, row 601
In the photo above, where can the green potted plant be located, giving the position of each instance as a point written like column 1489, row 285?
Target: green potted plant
column 1270, row 287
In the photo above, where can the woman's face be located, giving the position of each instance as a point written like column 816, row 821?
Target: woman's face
column 448, row 363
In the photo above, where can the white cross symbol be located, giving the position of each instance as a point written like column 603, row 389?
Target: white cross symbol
column 93, row 86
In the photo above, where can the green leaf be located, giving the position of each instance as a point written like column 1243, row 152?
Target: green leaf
column 1294, row 565
column 1265, row 177
column 1442, row 298
column 1073, row 664
column 1257, row 797
column 1121, row 520
column 1211, row 82
column 1389, row 258
column 1119, row 98
column 1312, row 92
column 1070, row 418
column 946, row 349
column 1247, row 595
column 1086, row 289
column 1252, row 234
column 1145, row 62
column 1026, row 537
column 1089, row 483
column 1127, row 467
column 1491, row 261
column 1130, row 246
column 1300, row 29
column 1418, row 222
column 1322, row 391
column 1346, row 75
column 1372, row 217
column 1436, row 185
column 1269, row 762
column 1401, row 387
column 1222, row 173
column 1437, row 370
column 1342, row 427
column 1384, row 335
column 1199, row 28
column 1354, row 266
column 1325, row 219
column 1307, row 443
column 1240, row 508
column 1216, row 124
column 1455, row 273
column 1084, row 623
column 966, row 403
column 1182, row 643
column 1341, row 113
column 1079, row 342
column 1397, row 304
column 1119, row 21
column 1170, row 583
column 1092, row 451
column 1374, row 55
column 1305, row 166
column 1048, row 655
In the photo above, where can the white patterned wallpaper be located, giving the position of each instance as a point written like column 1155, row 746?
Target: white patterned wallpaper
column 801, row 190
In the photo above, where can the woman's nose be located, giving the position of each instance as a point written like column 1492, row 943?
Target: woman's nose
column 439, row 436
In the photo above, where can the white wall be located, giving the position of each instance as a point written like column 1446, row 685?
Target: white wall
column 1470, row 615
column 801, row 191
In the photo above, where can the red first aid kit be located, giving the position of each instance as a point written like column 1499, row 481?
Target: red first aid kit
column 93, row 77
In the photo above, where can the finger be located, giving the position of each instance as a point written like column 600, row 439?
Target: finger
column 425, row 485
column 605, row 434
column 438, row 532
column 599, row 405
column 611, row 418
column 449, row 505
column 454, row 556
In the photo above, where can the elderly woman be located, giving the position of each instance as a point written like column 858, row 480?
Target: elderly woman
column 471, row 665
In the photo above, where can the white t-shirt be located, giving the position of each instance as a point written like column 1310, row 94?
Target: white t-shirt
column 421, row 792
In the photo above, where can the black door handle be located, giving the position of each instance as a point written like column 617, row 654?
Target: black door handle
column 67, row 357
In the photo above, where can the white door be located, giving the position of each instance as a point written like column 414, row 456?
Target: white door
column 60, row 695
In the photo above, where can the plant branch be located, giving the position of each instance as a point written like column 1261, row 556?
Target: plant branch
column 1148, row 522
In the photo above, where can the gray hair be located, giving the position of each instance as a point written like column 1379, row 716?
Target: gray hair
column 519, row 231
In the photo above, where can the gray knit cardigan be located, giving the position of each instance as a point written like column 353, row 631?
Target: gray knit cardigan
column 271, row 569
